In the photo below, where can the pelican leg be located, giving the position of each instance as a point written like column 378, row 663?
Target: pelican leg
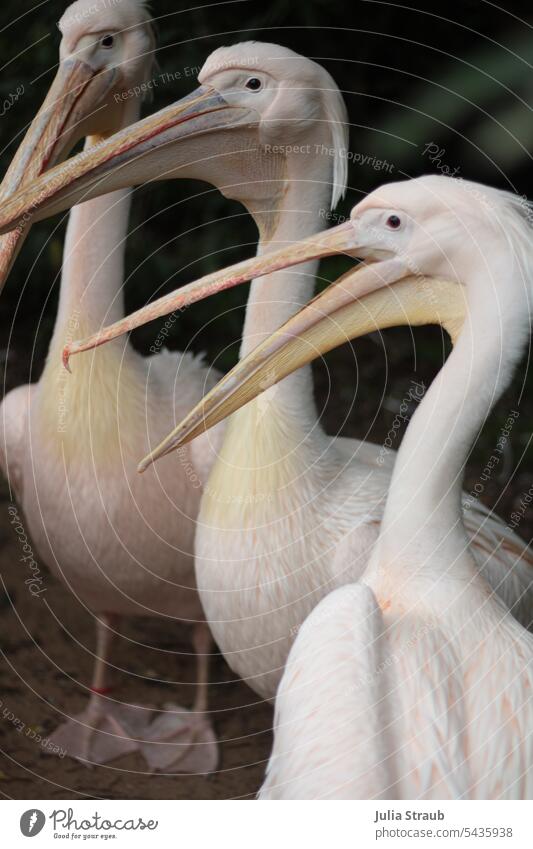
column 105, row 729
column 180, row 740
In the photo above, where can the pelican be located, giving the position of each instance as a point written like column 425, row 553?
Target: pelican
column 70, row 447
column 416, row 682
column 279, row 506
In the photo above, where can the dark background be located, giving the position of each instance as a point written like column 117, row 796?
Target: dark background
column 458, row 75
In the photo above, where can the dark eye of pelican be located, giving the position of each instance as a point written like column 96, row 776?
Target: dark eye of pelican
column 254, row 84
column 108, row 41
column 393, row 222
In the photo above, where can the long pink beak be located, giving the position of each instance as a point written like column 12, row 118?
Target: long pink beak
column 140, row 152
column 73, row 96
column 337, row 240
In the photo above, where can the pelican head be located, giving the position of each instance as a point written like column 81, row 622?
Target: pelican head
column 300, row 112
column 242, row 130
column 112, row 46
column 106, row 49
column 438, row 251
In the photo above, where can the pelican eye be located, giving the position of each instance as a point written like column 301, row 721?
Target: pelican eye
column 108, row 41
column 254, row 84
column 393, row 222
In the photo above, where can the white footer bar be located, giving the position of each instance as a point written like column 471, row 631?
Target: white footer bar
column 265, row 825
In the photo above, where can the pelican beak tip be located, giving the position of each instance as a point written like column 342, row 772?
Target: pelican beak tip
column 143, row 465
column 66, row 359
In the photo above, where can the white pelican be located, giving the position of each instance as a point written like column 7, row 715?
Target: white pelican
column 281, row 499
column 70, row 447
column 417, row 682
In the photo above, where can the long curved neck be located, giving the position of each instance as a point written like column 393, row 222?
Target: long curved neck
column 423, row 510
column 276, row 297
column 93, row 262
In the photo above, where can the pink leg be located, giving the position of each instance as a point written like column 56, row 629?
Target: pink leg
column 104, row 640
column 105, row 728
column 203, row 644
column 183, row 741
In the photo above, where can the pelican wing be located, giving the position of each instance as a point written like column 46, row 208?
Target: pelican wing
column 330, row 738
column 499, row 690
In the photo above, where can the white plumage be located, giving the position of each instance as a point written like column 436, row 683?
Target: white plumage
column 71, row 444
